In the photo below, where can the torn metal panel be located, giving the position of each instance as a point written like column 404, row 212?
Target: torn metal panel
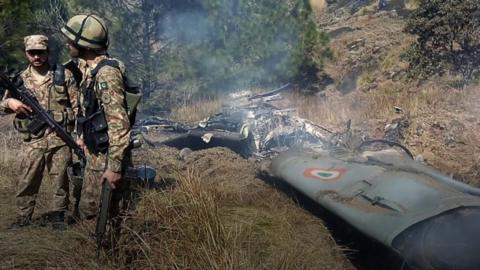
column 412, row 209
column 249, row 125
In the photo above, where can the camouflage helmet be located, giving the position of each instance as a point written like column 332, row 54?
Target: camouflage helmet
column 88, row 31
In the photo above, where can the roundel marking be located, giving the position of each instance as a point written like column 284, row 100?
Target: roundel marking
column 324, row 174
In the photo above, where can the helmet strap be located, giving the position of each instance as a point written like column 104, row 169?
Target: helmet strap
column 78, row 35
column 104, row 29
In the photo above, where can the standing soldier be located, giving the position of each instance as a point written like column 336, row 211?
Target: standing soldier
column 55, row 89
column 103, row 123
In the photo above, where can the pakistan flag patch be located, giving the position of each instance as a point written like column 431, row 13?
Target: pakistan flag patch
column 102, row 86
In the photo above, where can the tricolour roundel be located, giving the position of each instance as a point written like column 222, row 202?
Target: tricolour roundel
column 324, row 174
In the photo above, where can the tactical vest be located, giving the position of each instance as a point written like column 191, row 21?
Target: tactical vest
column 58, row 105
column 93, row 124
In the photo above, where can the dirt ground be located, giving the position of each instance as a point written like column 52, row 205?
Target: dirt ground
column 241, row 186
column 233, row 178
column 369, row 81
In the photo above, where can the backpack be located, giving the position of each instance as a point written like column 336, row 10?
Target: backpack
column 132, row 92
column 92, row 122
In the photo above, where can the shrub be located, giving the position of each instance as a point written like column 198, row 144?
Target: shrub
column 448, row 38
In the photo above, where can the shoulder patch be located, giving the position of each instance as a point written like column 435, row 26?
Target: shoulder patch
column 102, row 86
column 105, row 98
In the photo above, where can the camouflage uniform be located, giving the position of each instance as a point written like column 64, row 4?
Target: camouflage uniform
column 45, row 150
column 109, row 89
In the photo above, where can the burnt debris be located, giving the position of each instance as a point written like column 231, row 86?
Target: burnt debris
column 250, row 125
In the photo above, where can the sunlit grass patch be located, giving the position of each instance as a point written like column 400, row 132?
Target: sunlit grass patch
column 195, row 226
column 196, row 111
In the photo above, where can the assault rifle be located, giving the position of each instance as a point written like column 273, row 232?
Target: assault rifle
column 42, row 117
column 143, row 176
column 103, row 215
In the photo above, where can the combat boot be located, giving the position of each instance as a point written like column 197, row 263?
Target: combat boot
column 57, row 219
column 20, row 223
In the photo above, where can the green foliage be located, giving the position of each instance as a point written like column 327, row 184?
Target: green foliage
column 12, row 32
column 232, row 44
column 180, row 49
column 203, row 47
column 448, row 38
column 27, row 17
column 366, row 78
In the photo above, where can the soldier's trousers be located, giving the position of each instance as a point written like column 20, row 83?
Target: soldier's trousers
column 35, row 162
column 88, row 203
column 90, row 196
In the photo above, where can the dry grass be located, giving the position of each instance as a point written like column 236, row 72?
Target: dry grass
column 374, row 41
column 197, row 111
column 42, row 248
column 333, row 111
column 443, row 121
column 10, row 145
column 218, row 216
column 412, row 4
column 366, row 78
column 370, row 9
column 377, row 104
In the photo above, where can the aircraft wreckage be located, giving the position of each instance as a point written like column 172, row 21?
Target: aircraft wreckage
column 428, row 219
column 248, row 125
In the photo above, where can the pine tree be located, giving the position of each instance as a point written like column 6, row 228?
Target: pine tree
column 15, row 20
column 448, row 38
column 27, row 17
column 203, row 47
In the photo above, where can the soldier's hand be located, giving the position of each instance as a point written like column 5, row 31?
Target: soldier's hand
column 81, row 144
column 17, row 106
column 112, row 178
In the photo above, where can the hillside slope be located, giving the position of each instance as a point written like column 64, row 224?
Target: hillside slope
column 370, row 87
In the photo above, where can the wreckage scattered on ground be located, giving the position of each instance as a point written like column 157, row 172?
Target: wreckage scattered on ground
column 249, row 125
column 425, row 217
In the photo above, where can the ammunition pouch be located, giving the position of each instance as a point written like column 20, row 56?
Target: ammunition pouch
column 65, row 118
column 94, row 129
column 21, row 122
column 60, row 89
column 69, row 120
column 31, row 127
column 75, row 175
column 37, row 126
column 59, row 117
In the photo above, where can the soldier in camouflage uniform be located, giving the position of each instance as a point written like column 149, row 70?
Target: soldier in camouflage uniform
column 43, row 150
column 87, row 39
